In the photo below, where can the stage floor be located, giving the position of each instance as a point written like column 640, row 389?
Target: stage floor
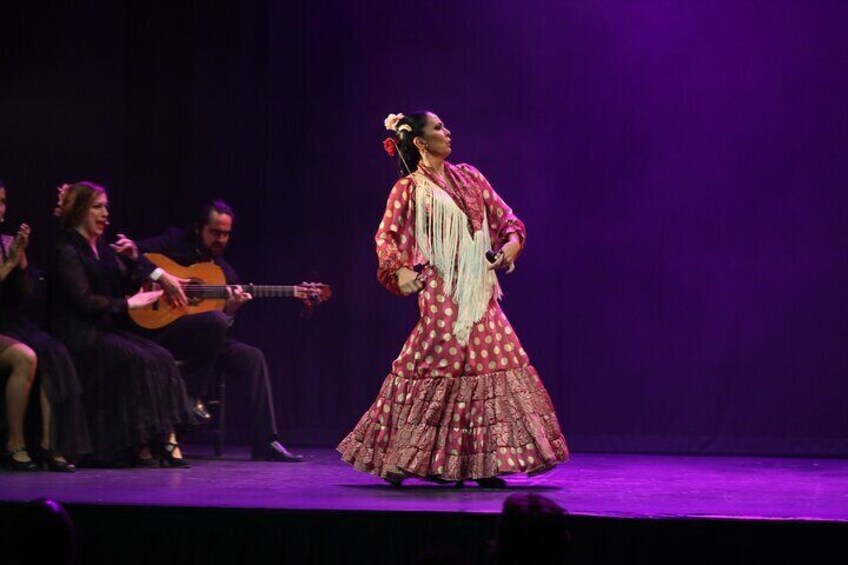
column 599, row 485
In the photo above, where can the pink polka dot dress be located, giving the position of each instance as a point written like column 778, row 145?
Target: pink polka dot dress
column 457, row 407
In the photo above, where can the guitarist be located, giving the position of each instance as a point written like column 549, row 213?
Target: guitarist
column 201, row 341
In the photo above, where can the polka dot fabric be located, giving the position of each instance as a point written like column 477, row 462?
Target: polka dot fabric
column 458, row 412
column 448, row 410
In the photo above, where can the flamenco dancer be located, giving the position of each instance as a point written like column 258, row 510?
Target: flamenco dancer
column 462, row 401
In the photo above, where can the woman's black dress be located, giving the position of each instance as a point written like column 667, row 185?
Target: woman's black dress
column 133, row 390
column 55, row 369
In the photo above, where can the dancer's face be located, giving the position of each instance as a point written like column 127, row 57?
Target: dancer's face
column 436, row 137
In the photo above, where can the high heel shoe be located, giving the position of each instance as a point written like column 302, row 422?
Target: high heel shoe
column 395, row 480
column 491, row 482
column 15, row 465
column 168, row 459
column 136, row 460
column 49, row 459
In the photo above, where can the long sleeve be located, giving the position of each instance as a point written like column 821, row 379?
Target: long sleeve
column 75, row 283
column 139, row 270
column 502, row 220
column 136, row 273
column 395, row 237
column 165, row 244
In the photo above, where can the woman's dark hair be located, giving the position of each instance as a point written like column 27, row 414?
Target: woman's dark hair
column 75, row 201
column 408, row 155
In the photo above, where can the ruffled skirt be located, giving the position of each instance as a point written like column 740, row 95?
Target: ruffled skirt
column 458, row 412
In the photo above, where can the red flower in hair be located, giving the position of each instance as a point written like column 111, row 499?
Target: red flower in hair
column 390, row 146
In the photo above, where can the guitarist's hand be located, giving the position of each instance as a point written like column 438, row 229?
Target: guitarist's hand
column 143, row 298
column 238, row 298
column 173, row 287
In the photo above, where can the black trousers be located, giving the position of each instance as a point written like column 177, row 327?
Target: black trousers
column 202, row 348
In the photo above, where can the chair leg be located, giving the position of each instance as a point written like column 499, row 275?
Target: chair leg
column 222, row 410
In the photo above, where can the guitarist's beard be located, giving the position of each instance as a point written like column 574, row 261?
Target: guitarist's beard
column 215, row 250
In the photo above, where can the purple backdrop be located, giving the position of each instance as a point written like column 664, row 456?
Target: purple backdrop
column 679, row 166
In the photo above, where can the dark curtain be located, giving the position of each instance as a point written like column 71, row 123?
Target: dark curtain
column 680, row 168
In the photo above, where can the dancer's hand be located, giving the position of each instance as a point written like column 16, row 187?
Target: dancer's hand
column 506, row 257
column 408, row 281
column 143, row 298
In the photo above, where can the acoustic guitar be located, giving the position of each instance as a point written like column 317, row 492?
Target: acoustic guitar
column 208, row 291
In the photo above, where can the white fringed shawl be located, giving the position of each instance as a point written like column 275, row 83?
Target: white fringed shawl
column 442, row 237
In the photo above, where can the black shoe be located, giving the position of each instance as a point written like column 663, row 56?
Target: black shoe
column 136, row 460
column 198, row 408
column 16, row 465
column 273, row 450
column 168, row 459
column 394, row 480
column 48, row 458
column 491, row 482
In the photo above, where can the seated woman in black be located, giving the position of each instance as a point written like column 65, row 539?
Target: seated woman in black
column 134, row 395
column 63, row 426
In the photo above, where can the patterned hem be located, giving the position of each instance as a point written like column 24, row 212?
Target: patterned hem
column 467, row 427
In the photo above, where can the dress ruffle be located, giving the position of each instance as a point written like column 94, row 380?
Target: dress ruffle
column 456, row 428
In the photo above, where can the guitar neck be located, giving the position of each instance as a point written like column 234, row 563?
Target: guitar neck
column 256, row 290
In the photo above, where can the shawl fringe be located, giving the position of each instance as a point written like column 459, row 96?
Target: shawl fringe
column 443, row 239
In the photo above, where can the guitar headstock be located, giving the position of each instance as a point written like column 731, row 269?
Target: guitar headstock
column 313, row 293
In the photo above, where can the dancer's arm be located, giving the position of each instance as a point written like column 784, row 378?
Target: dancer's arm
column 395, row 240
column 508, row 233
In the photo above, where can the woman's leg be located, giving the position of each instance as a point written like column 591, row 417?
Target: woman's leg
column 22, row 362
column 172, row 438
column 171, row 455
column 46, row 425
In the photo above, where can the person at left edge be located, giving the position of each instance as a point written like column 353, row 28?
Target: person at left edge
column 64, row 432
